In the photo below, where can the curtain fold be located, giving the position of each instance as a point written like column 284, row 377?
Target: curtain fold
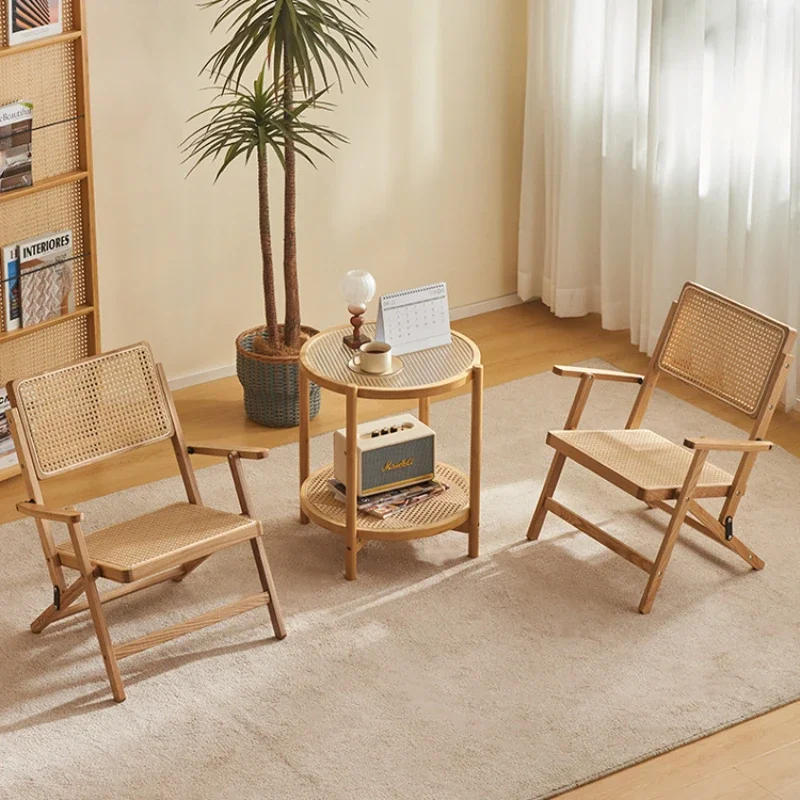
column 662, row 145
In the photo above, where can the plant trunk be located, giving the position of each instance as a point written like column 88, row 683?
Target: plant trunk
column 291, row 328
column 267, row 271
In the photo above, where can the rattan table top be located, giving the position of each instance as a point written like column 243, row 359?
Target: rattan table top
column 325, row 358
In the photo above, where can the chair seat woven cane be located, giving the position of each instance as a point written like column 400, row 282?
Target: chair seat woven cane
column 644, row 464
column 148, row 544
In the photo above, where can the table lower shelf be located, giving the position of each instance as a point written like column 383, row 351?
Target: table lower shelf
column 445, row 512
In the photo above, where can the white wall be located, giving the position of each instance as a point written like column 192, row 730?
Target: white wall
column 427, row 190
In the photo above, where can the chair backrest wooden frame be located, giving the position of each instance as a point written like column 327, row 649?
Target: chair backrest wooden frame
column 726, row 350
column 87, row 412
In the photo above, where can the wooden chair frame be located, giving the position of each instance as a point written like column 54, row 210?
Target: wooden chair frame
column 66, row 595
column 686, row 508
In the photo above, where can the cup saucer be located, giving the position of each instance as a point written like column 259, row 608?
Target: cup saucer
column 397, row 366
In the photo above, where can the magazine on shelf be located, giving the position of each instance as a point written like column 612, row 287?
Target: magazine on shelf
column 46, row 279
column 33, row 19
column 8, row 456
column 387, row 504
column 16, row 137
column 12, row 311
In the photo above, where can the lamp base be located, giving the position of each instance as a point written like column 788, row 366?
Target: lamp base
column 354, row 342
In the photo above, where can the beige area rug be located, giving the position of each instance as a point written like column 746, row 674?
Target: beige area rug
column 515, row 676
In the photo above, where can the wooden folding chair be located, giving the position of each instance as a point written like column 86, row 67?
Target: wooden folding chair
column 90, row 411
column 719, row 346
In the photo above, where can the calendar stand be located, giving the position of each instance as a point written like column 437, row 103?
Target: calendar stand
column 414, row 319
column 425, row 374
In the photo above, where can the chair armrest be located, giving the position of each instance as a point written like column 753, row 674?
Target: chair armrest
column 234, row 456
column 224, row 452
column 737, row 445
column 598, row 374
column 587, row 379
column 65, row 515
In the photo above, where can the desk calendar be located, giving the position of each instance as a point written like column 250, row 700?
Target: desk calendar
column 415, row 319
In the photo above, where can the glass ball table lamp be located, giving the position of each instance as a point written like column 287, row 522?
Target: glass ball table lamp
column 358, row 288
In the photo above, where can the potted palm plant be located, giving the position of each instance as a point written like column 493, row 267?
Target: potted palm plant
column 303, row 48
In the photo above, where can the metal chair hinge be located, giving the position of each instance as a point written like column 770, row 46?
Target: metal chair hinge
column 728, row 528
column 57, row 598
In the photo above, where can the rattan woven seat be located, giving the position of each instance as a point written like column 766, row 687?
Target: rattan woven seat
column 641, row 462
column 104, row 407
column 161, row 539
column 720, row 347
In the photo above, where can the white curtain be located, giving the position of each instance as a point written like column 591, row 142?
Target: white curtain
column 662, row 145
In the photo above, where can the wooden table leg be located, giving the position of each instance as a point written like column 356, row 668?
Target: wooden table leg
column 425, row 410
column 305, row 422
column 476, row 436
column 351, row 539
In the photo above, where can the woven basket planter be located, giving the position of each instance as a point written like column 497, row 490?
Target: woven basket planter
column 270, row 383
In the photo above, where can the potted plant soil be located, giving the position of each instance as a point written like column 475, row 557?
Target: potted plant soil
column 302, row 48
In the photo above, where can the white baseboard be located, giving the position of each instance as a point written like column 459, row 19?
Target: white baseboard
column 203, row 377
column 462, row 312
column 485, row 306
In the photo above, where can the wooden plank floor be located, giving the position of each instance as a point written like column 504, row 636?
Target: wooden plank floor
column 756, row 760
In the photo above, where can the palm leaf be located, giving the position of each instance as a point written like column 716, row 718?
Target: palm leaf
column 241, row 121
column 319, row 35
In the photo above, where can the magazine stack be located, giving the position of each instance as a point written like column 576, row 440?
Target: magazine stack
column 38, row 280
column 388, row 504
column 16, row 140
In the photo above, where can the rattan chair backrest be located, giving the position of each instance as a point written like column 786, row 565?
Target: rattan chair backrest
column 724, row 348
column 92, row 410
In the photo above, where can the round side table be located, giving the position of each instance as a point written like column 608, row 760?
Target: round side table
column 425, row 374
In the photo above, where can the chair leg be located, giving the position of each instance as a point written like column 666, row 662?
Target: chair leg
column 745, row 553
column 682, row 505
column 548, row 490
column 714, row 529
column 51, row 613
column 106, row 647
column 662, row 559
column 268, row 585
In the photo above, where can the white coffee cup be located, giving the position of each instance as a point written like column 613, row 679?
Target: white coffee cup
column 374, row 357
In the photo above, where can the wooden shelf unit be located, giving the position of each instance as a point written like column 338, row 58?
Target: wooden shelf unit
column 44, row 185
column 52, row 73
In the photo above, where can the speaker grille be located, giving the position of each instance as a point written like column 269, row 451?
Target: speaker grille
column 376, row 465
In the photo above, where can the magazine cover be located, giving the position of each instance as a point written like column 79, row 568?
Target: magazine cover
column 11, row 305
column 16, row 135
column 8, row 456
column 33, row 19
column 46, row 281
column 392, row 502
